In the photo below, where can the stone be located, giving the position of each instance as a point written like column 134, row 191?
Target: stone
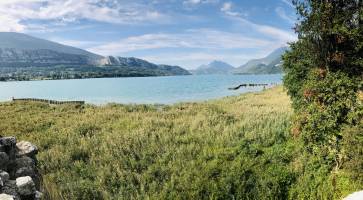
column 4, row 160
column 25, row 186
column 26, row 149
column 355, row 196
column 24, row 171
column 24, row 161
column 4, row 176
column 38, row 195
column 10, row 188
column 19, row 178
column 6, row 197
column 8, row 141
column 11, row 151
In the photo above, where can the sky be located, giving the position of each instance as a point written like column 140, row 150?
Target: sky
column 187, row 33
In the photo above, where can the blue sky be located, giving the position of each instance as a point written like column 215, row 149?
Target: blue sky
column 188, row 33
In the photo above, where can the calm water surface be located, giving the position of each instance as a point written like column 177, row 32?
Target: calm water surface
column 155, row 90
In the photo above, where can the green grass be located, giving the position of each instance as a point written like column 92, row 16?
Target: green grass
column 232, row 148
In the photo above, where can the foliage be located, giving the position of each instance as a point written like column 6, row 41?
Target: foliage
column 324, row 72
column 38, row 72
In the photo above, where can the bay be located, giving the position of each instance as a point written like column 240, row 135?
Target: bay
column 139, row 90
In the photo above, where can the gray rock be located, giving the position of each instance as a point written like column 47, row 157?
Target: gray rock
column 25, row 171
column 4, row 176
column 355, row 196
column 23, row 162
column 8, row 141
column 18, row 161
column 38, row 195
column 26, row 149
column 6, row 197
column 11, row 153
column 10, row 188
column 25, row 186
column 4, row 160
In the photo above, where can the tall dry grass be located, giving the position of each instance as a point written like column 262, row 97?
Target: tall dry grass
column 232, row 148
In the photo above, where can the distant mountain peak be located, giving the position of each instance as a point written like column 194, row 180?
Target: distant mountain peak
column 214, row 67
column 268, row 65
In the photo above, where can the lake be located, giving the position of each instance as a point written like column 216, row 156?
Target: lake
column 151, row 90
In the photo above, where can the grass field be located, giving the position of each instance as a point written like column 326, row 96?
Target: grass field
column 232, row 148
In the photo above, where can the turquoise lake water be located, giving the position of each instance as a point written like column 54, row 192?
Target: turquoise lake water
column 151, row 90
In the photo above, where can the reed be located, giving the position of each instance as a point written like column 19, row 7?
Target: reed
column 233, row 148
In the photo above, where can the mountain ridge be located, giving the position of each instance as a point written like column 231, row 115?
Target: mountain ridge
column 270, row 64
column 214, row 67
column 24, row 57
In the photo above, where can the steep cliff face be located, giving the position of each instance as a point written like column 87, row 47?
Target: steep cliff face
column 139, row 64
column 123, row 61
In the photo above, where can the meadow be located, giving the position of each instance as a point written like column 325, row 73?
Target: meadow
column 237, row 147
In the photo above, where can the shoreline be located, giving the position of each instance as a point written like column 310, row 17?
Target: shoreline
column 44, row 101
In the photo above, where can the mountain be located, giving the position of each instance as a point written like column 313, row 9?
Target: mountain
column 17, row 49
column 215, row 67
column 270, row 64
column 23, row 57
column 143, row 65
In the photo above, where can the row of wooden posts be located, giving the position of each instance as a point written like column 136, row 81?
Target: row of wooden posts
column 248, row 85
column 48, row 101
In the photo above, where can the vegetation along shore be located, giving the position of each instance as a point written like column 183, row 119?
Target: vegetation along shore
column 234, row 148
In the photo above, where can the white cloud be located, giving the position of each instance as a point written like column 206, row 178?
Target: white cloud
column 227, row 8
column 279, row 36
column 192, row 4
column 192, row 1
column 281, row 13
column 13, row 13
column 8, row 23
column 3, row 2
column 196, row 39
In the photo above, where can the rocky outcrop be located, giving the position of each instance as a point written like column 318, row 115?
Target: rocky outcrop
column 355, row 196
column 140, row 64
column 19, row 178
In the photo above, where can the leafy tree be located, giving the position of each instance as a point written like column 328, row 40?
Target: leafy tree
column 324, row 72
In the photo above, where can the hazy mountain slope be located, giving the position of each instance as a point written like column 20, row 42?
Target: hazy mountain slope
column 139, row 64
column 18, row 49
column 215, row 67
column 270, row 64
column 24, row 57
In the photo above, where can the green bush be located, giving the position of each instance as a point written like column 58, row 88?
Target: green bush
column 324, row 71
